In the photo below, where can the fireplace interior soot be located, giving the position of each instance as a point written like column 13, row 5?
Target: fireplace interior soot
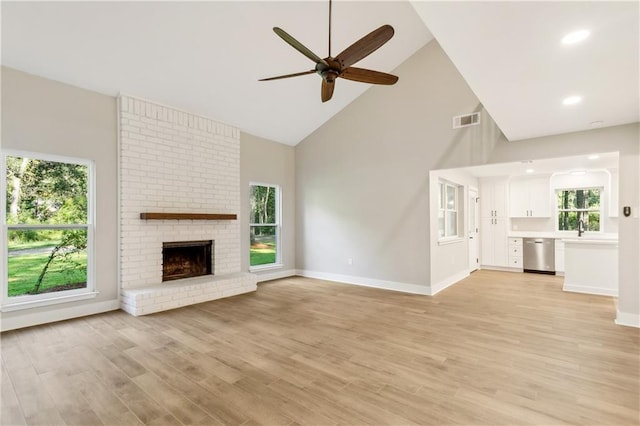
column 185, row 259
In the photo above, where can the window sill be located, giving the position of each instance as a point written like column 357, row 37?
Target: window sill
column 268, row 267
column 448, row 241
column 28, row 304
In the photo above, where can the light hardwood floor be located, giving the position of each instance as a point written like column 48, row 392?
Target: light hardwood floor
column 497, row 348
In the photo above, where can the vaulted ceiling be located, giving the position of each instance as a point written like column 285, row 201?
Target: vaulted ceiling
column 207, row 57
column 512, row 55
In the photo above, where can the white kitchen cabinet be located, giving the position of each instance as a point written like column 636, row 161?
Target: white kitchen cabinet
column 493, row 237
column 515, row 253
column 493, row 222
column 530, row 197
column 493, row 197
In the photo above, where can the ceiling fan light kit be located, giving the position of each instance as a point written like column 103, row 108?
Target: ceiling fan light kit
column 331, row 68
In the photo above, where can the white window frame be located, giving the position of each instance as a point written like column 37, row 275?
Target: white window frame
column 63, row 296
column 442, row 208
column 277, row 225
column 599, row 210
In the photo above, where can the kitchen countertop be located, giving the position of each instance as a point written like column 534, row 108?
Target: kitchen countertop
column 600, row 236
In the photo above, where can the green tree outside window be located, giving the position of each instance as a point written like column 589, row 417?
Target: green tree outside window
column 575, row 205
column 264, row 224
column 47, row 225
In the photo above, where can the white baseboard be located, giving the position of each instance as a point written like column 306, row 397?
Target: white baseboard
column 268, row 276
column 589, row 290
column 26, row 319
column 449, row 281
column 500, row 268
column 366, row 282
column 627, row 319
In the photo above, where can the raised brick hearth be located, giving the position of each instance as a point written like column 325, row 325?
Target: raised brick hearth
column 175, row 162
column 175, row 294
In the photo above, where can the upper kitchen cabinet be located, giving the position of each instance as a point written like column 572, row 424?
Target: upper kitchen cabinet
column 530, row 197
column 493, row 197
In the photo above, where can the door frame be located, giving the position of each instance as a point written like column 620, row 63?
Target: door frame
column 473, row 229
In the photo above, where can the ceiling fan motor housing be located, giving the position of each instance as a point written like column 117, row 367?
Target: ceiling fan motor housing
column 330, row 71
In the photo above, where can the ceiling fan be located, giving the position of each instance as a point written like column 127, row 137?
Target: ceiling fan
column 331, row 67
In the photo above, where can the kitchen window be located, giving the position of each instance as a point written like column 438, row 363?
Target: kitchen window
column 448, row 202
column 48, row 230
column 264, row 226
column 579, row 204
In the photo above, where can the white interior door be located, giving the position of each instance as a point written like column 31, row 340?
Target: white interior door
column 473, row 235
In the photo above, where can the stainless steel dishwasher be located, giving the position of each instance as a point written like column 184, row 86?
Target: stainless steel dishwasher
column 538, row 255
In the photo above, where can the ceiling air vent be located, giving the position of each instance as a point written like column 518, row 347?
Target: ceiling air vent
column 466, row 120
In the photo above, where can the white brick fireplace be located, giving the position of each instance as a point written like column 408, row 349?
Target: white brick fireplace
column 175, row 162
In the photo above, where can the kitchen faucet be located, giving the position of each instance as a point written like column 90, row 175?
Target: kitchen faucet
column 580, row 228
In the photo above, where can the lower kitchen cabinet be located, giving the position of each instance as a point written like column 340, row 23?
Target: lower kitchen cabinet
column 515, row 253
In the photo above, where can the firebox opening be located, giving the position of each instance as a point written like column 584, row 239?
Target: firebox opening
column 186, row 259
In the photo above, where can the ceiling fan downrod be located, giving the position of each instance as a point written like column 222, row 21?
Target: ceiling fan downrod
column 329, row 28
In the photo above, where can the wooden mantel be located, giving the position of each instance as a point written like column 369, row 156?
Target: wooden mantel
column 188, row 216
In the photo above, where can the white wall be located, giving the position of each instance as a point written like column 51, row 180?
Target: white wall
column 45, row 116
column 633, row 311
column 449, row 262
column 265, row 161
column 362, row 179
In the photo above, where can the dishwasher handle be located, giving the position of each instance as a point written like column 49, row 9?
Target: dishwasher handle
column 538, row 241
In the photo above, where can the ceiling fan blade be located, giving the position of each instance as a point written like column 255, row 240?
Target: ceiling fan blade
column 365, row 46
column 288, row 75
column 298, row 46
column 368, row 76
column 327, row 89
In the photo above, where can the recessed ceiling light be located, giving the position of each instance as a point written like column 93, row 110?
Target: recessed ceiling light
column 572, row 100
column 593, row 157
column 529, row 170
column 579, row 173
column 575, row 37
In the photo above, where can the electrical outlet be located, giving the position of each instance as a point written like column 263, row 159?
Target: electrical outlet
column 349, row 261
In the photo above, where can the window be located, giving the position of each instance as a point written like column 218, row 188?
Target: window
column 448, row 210
column 575, row 205
column 264, row 225
column 48, row 228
